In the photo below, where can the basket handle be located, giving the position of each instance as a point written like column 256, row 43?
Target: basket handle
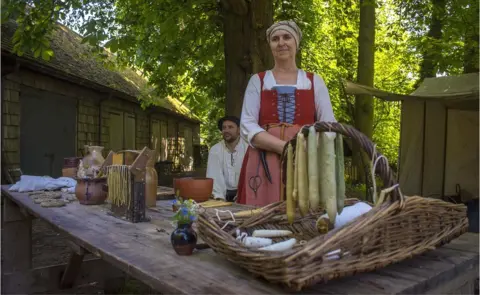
column 382, row 168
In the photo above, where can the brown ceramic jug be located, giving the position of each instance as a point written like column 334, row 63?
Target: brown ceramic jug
column 90, row 191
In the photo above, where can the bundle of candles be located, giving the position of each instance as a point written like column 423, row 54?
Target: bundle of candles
column 315, row 178
column 119, row 179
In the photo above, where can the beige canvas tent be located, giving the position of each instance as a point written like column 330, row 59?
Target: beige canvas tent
column 439, row 149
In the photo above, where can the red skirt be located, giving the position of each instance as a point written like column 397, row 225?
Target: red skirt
column 267, row 192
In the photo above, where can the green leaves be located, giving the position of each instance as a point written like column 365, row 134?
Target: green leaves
column 178, row 45
column 112, row 45
column 44, row 52
column 47, row 54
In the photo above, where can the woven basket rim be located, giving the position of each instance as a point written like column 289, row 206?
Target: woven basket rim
column 393, row 207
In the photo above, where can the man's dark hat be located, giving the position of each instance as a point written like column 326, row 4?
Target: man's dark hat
column 234, row 119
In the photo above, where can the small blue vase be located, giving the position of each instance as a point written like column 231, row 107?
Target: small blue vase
column 184, row 239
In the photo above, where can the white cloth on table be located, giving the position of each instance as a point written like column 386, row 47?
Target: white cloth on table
column 29, row 183
column 225, row 175
column 249, row 126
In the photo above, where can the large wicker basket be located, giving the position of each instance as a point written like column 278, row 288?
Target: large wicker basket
column 399, row 228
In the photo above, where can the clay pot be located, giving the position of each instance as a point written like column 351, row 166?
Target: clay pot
column 90, row 191
column 195, row 188
column 178, row 183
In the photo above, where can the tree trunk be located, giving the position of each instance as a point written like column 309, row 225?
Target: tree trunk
column 433, row 52
column 470, row 57
column 246, row 48
column 365, row 74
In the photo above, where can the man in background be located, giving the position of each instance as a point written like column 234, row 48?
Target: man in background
column 225, row 159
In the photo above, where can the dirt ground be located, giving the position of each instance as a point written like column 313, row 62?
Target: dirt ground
column 50, row 248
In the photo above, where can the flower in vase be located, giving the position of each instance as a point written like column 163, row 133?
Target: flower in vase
column 186, row 213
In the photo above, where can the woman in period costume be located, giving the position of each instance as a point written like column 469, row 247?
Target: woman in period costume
column 276, row 105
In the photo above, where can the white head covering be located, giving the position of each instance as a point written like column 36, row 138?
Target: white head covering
column 287, row 25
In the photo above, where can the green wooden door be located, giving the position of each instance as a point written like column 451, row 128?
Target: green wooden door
column 47, row 131
column 116, row 130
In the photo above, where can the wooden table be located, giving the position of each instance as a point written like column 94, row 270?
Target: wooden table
column 143, row 250
column 165, row 193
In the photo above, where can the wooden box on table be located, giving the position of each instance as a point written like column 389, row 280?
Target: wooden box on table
column 126, row 180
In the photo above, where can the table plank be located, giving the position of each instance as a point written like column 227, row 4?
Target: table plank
column 143, row 250
column 164, row 192
column 469, row 243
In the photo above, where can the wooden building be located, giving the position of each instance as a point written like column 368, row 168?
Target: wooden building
column 52, row 109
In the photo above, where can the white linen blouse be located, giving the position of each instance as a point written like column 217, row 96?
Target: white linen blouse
column 225, row 175
column 251, row 102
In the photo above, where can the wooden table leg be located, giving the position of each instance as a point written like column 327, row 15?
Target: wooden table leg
column 16, row 238
column 72, row 270
column 16, row 241
column 113, row 278
column 73, row 267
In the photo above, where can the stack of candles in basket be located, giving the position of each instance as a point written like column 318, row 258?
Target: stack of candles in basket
column 315, row 179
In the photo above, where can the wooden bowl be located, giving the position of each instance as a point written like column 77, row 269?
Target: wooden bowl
column 194, row 188
column 90, row 191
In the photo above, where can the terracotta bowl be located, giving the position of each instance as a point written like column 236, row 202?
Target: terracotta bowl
column 195, row 188
column 91, row 191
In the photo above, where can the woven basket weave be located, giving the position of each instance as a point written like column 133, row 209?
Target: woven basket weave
column 399, row 228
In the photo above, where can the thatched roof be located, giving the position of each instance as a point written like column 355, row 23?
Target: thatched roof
column 77, row 61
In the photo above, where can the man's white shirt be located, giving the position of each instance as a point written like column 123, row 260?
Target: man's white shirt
column 224, row 167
